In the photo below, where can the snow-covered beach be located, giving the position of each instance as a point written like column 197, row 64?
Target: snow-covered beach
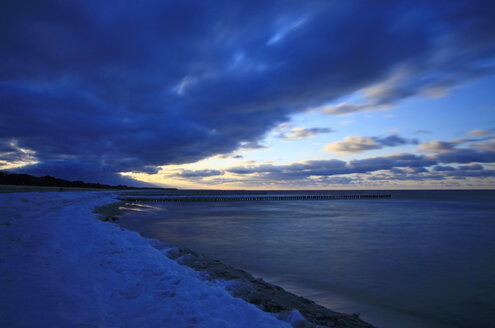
column 61, row 266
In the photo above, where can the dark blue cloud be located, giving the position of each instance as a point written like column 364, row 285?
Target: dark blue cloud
column 443, row 168
column 465, row 155
column 198, row 173
column 425, row 175
column 395, row 140
column 471, row 167
column 117, row 86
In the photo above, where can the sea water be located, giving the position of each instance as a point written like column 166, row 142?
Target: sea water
column 419, row 259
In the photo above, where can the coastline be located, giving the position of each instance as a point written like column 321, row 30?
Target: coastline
column 265, row 296
column 60, row 265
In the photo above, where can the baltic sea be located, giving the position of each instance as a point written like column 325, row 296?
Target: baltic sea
column 419, row 259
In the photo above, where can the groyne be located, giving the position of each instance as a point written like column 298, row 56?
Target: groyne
column 252, row 198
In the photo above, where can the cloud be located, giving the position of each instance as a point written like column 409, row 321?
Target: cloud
column 465, row 155
column 395, row 140
column 436, row 175
column 280, row 34
column 488, row 146
column 444, row 65
column 348, row 108
column 13, row 156
column 251, row 145
column 437, row 146
column 354, row 145
column 408, row 81
column 479, row 133
column 303, row 133
column 402, row 166
column 457, row 163
column 109, row 88
column 334, row 166
column 471, row 167
column 441, row 168
column 422, row 132
column 198, row 173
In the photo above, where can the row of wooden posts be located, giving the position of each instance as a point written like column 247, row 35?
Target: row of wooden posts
column 246, row 198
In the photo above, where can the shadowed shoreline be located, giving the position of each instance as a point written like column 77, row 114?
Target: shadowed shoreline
column 265, row 296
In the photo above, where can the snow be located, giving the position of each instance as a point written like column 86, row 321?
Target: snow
column 62, row 267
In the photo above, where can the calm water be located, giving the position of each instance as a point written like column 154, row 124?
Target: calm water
column 420, row 259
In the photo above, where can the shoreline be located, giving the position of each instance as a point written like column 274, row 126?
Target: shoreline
column 61, row 266
column 239, row 283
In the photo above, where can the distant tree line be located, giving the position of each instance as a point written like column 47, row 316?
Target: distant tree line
column 49, row 181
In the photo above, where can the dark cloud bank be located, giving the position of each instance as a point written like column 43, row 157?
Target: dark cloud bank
column 97, row 87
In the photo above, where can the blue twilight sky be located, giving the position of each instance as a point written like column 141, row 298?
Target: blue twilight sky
column 250, row 94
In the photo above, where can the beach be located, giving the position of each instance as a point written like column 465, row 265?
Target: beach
column 247, row 164
column 62, row 266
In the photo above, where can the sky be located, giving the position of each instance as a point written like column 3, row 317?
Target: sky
column 250, row 94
